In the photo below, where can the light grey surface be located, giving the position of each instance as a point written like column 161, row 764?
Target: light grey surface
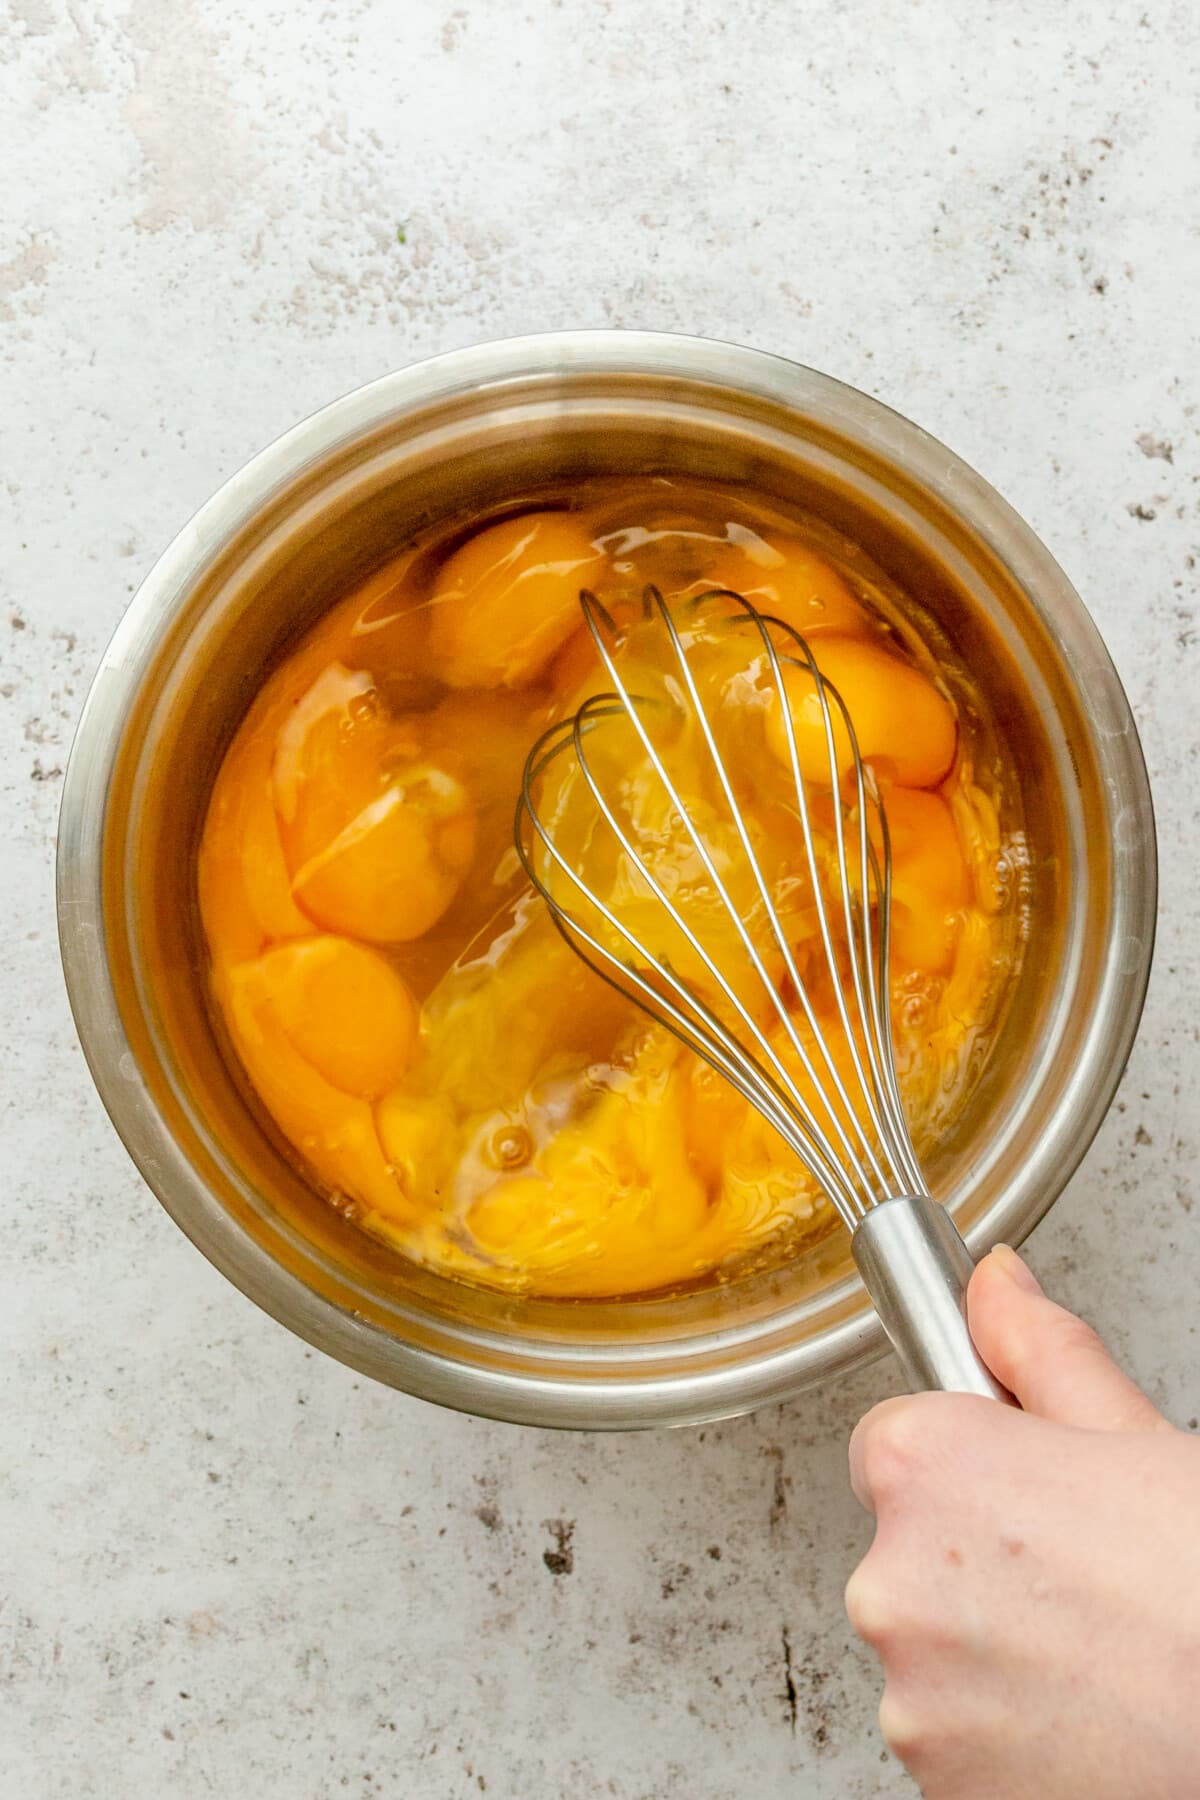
column 229, row 1565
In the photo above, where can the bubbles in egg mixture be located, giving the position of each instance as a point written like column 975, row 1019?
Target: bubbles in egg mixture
column 441, row 1062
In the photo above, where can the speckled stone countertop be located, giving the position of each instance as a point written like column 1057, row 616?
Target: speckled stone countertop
column 230, row 1566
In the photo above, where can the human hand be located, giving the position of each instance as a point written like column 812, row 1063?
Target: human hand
column 1033, row 1590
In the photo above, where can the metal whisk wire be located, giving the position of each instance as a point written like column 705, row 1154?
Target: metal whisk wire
column 688, row 1016
column 855, row 1165
column 912, row 1259
column 870, row 982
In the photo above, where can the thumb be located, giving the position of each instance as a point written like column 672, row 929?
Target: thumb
column 1052, row 1362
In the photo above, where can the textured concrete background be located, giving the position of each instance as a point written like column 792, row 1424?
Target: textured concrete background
column 230, row 1566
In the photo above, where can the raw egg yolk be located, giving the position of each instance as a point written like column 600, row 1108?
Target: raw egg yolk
column 395, row 869
column 333, row 1129
column 577, row 672
column 930, row 881
column 790, row 582
column 494, row 1022
column 245, row 890
column 344, row 1010
column 419, row 1137
column 508, row 600
column 902, row 724
column 377, row 838
column 607, row 1196
column 754, row 1184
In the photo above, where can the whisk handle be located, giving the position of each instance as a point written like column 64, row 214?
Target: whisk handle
column 916, row 1267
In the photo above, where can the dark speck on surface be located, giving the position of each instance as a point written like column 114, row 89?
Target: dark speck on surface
column 778, row 1510
column 789, row 1680
column 671, row 1583
column 561, row 1559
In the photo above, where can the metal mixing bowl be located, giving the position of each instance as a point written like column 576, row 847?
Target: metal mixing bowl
column 314, row 513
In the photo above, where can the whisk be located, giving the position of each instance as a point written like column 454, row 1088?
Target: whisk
column 651, row 935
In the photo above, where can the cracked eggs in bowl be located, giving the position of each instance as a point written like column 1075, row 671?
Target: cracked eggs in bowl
column 337, row 1029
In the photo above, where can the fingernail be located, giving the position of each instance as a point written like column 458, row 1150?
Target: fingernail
column 1011, row 1266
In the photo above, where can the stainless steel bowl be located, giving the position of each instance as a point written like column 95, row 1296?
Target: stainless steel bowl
column 313, row 513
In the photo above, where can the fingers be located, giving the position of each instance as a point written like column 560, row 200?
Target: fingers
column 925, row 1465
column 1052, row 1362
column 1054, row 1365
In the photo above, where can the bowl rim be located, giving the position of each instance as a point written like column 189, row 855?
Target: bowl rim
column 696, row 1395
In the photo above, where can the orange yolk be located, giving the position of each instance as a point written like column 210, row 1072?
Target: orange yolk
column 401, row 1003
column 333, row 1129
column 245, row 891
column 509, row 599
column 376, row 837
column 902, row 724
column 930, row 883
column 788, row 581
column 612, row 1192
column 343, row 1009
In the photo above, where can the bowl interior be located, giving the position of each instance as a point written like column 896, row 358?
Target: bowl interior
column 293, row 534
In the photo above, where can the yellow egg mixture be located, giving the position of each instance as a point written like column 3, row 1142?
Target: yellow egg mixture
column 445, row 1067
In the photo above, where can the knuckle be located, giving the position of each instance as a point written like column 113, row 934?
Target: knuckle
column 868, row 1607
column 891, row 1450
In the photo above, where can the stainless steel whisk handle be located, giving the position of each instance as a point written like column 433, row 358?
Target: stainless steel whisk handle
column 916, row 1267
